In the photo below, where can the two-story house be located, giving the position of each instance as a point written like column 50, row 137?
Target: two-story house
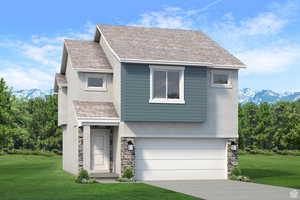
column 161, row 101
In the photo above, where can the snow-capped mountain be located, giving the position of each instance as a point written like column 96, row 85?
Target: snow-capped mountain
column 32, row 93
column 258, row 96
column 246, row 95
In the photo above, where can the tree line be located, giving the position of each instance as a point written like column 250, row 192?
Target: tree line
column 28, row 123
column 32, row 124
column 269, row 126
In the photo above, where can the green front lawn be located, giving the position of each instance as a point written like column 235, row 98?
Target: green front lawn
column 41, row 178
column 272, row 170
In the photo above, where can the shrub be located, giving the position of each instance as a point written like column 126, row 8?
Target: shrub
column 270, row 152
column 236, row 171
column 239, row 178
column 29, row 152
column 57, row 152
column 122, row 179
column 83, row 177
column 128, row 173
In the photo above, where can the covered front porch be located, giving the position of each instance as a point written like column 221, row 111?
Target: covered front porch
column 98, row 139
column 98, row 151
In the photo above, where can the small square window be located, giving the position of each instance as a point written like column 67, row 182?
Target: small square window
column 95, row 82
column 221, row 79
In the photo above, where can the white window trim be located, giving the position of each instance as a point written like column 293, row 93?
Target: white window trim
column 104, row 86
column 228, row 85
column 181, row 85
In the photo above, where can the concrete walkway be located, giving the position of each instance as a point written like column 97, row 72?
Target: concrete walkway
column 228, row 190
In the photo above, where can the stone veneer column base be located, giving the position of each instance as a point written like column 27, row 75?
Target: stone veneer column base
column 127, row 157
column 232, row 155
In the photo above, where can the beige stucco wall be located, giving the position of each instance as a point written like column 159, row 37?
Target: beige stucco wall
column 116, row 150
column 221, row 122
column 116, row 84
column 70, row 136
column 83, row 94
column 62, row 103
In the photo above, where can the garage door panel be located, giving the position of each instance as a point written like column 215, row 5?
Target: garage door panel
column 180, row 154
column 180, row 174
column 180, row 159
column 162, row 143
column 179, row 164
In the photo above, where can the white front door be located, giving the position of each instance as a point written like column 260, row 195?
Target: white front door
column 100, row 150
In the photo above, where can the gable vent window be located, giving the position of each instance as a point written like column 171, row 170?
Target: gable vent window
column 96, row 82
column 166, row 84
column 221, row 79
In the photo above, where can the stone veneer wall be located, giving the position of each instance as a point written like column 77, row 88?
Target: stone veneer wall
column 127, row 157
column 80, row 149
column 232, row 155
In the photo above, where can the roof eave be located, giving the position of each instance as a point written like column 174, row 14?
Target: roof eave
column 108, row 71
column 169, row 62
column 100, row 121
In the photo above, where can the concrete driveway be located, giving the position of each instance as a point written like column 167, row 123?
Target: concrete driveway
column 228, row 190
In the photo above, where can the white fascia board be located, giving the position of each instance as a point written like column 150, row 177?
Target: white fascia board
column 109, row 71
column 105, row 41
column 184, row 63
column 94, row 121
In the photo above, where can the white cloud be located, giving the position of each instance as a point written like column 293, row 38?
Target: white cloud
column 170, row 17
column 21, row 78
column 257, row 40
column 270, row 59
column 264, row 24
column 205, row 8
column 42, row 52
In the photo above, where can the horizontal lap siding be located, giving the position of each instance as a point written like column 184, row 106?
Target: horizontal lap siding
column 135, row 92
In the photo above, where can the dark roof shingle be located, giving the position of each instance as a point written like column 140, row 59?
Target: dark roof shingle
column 157, row 44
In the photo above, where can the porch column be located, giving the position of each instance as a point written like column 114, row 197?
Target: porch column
column 87, row 148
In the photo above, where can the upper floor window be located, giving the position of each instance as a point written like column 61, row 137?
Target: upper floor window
column 95, row 82
column 221, row 78
column 166, row 84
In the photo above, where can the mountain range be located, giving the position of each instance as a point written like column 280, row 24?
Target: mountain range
column 32, row 93
column 246, row 95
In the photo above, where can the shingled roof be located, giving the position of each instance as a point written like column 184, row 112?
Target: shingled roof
column 86, row 54
column 60, row 81
column 157, row 45
column 89, row 109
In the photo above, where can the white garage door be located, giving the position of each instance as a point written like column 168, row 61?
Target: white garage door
column 180, row 159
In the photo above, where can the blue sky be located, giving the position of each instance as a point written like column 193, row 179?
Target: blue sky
column 263, row 34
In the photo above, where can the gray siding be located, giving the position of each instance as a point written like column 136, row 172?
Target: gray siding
column 135, row 94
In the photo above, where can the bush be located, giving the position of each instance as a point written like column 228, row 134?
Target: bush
column 122, row 179
column 239, row 178
column 29, row 152
column 83, row 177
column 236, row 171
column 57, row 152
column 270, row 152
column 128, row 173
